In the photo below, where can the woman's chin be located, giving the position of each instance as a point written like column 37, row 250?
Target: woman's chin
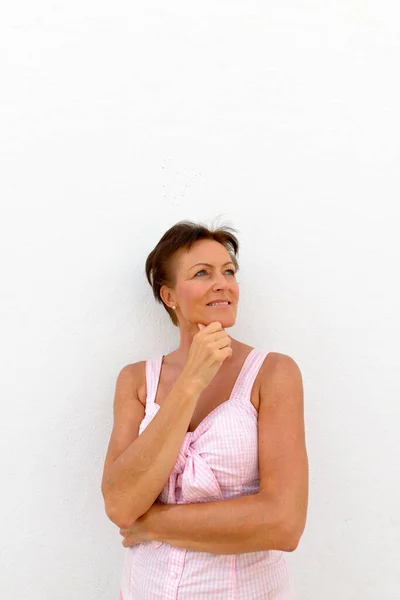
column 225, row 321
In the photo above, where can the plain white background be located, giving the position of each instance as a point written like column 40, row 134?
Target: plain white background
column 119, row 119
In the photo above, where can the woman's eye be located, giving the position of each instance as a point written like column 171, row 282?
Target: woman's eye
column 204, row 271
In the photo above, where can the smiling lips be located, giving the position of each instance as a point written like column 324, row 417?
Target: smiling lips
column 219, row 304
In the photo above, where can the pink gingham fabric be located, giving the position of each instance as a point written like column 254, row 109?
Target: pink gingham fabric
column 217, row 461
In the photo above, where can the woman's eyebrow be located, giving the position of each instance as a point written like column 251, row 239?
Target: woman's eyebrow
column 208, row 264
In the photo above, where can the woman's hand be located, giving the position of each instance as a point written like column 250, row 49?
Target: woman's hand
column 141, row 530
column 211, row 345
column 134, row 535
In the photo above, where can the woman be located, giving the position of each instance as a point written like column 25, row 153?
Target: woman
column 206, row 472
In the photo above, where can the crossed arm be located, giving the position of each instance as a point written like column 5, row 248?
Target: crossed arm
column 272, row 519
column 233, row 526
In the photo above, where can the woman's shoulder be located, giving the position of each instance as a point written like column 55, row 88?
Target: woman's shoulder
column 278, row 366
column 136, row 373
column 273, row 363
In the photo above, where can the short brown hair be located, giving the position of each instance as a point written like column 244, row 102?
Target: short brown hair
column 183, row 234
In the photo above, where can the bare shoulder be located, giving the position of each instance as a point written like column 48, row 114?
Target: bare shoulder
column 270, row 364
column 280, row 373
column 277, row 360
column 132, row 378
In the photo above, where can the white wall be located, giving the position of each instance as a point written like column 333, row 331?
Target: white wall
column 117, row 120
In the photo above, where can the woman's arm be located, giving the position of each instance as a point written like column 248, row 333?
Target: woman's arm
column 275, row 517
column 234, row 526
column 138, row 466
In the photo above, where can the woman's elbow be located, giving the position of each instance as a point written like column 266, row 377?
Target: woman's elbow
column 116, row 512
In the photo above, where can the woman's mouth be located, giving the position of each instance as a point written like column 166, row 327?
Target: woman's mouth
column 219, row 305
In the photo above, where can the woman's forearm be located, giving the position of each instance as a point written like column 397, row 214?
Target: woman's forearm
column 233, row 526
column 139, row 474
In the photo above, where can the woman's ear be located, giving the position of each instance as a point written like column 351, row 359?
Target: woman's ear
column 166, row 296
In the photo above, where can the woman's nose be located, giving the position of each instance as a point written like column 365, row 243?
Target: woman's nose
column 220, row 283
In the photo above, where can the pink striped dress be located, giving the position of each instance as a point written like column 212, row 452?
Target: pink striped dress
column 217, row 461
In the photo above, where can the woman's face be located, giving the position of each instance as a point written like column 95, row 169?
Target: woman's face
column 204, row 274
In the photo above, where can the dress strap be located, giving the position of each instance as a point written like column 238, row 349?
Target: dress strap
column 247, row 376
column 153, row 370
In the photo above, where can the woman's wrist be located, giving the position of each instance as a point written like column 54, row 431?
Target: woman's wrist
column 149, row 520
column 189, row 385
